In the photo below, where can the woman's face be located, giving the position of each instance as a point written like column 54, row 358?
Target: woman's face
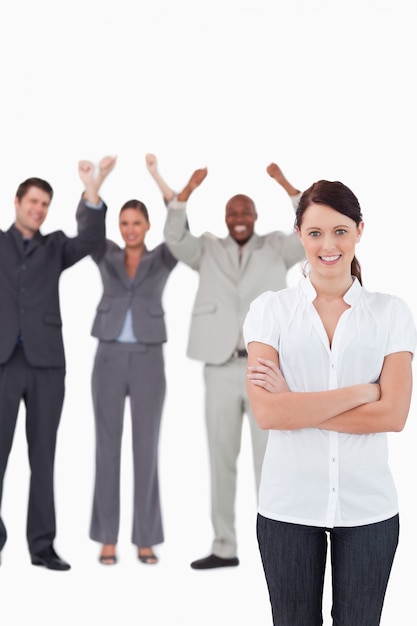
column 133, row 227
column 329, row 240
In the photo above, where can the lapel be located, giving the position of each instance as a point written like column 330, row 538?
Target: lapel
column 118, row 262
column 143, row 269
column 118, row 258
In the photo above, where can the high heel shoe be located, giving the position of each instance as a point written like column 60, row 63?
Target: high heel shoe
column 107, row 559
column 148, row 559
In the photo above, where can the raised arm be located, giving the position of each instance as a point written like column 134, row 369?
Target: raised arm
column 276, row 173
column 195, row 181
column 183, row 245
column 92, row 183
column 152, row 165
column 277, row 408
column 105, row 166
column 386, row 413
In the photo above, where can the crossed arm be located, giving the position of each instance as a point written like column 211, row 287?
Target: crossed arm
column 358, row 409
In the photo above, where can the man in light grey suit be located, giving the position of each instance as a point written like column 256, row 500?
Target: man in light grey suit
column 233, row 271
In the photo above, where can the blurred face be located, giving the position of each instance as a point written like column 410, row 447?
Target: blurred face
column 133, row 227
column 240, row 218
column 31, row 211
column 329, row 240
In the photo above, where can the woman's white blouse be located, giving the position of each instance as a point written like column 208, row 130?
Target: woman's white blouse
column 313, row 476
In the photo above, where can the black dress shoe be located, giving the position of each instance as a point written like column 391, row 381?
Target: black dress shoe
column 49, row 559
column 212, row 561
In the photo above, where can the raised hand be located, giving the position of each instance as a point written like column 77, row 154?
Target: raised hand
column 276, row 173
column 195, row 181
column 151, row 163
column 86, row 171
column 106, row 165
column 197, row 177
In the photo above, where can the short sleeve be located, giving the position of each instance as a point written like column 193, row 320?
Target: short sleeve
column 403, row 335
column 262, row 320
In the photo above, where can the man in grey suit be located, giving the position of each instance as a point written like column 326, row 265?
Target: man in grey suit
column 232, row 272
column 32, row 360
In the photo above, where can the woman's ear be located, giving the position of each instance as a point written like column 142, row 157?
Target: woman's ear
column 361, row 226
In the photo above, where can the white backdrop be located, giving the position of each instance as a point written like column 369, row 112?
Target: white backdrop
column 323, row 87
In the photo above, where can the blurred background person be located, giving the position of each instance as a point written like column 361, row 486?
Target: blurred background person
column 232, row 272
column 129, row 363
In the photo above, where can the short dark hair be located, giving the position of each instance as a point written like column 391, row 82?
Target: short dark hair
column 34, row 182
column 138, row 205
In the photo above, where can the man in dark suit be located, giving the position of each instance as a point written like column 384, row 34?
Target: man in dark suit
column 32, row 359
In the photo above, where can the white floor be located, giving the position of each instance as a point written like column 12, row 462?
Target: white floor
column 131, row 593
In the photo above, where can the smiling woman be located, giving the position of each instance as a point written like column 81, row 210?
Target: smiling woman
column 133, row 226
column 130, row 327
column 329, row 233
column 329, row 374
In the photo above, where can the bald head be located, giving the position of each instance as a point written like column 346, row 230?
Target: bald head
column 241, row 216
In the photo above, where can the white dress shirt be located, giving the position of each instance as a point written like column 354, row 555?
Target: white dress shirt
column 313, row 476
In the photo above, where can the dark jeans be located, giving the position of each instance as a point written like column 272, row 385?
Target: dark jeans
column 294, row 561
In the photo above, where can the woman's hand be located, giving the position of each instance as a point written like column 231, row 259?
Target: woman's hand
column 105, row 166
column 267, row 375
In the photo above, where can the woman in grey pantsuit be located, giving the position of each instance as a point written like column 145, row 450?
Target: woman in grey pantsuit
column 129, row 361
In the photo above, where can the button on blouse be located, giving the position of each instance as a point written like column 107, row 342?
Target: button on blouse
column 313, row 476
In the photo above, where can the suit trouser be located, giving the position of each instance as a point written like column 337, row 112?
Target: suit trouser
column 121, row 370
column 42, row 391
column 226, row 405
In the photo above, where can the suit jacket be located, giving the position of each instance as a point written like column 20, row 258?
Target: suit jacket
column 227, row 286
column 143, row 294
column 29, row 286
